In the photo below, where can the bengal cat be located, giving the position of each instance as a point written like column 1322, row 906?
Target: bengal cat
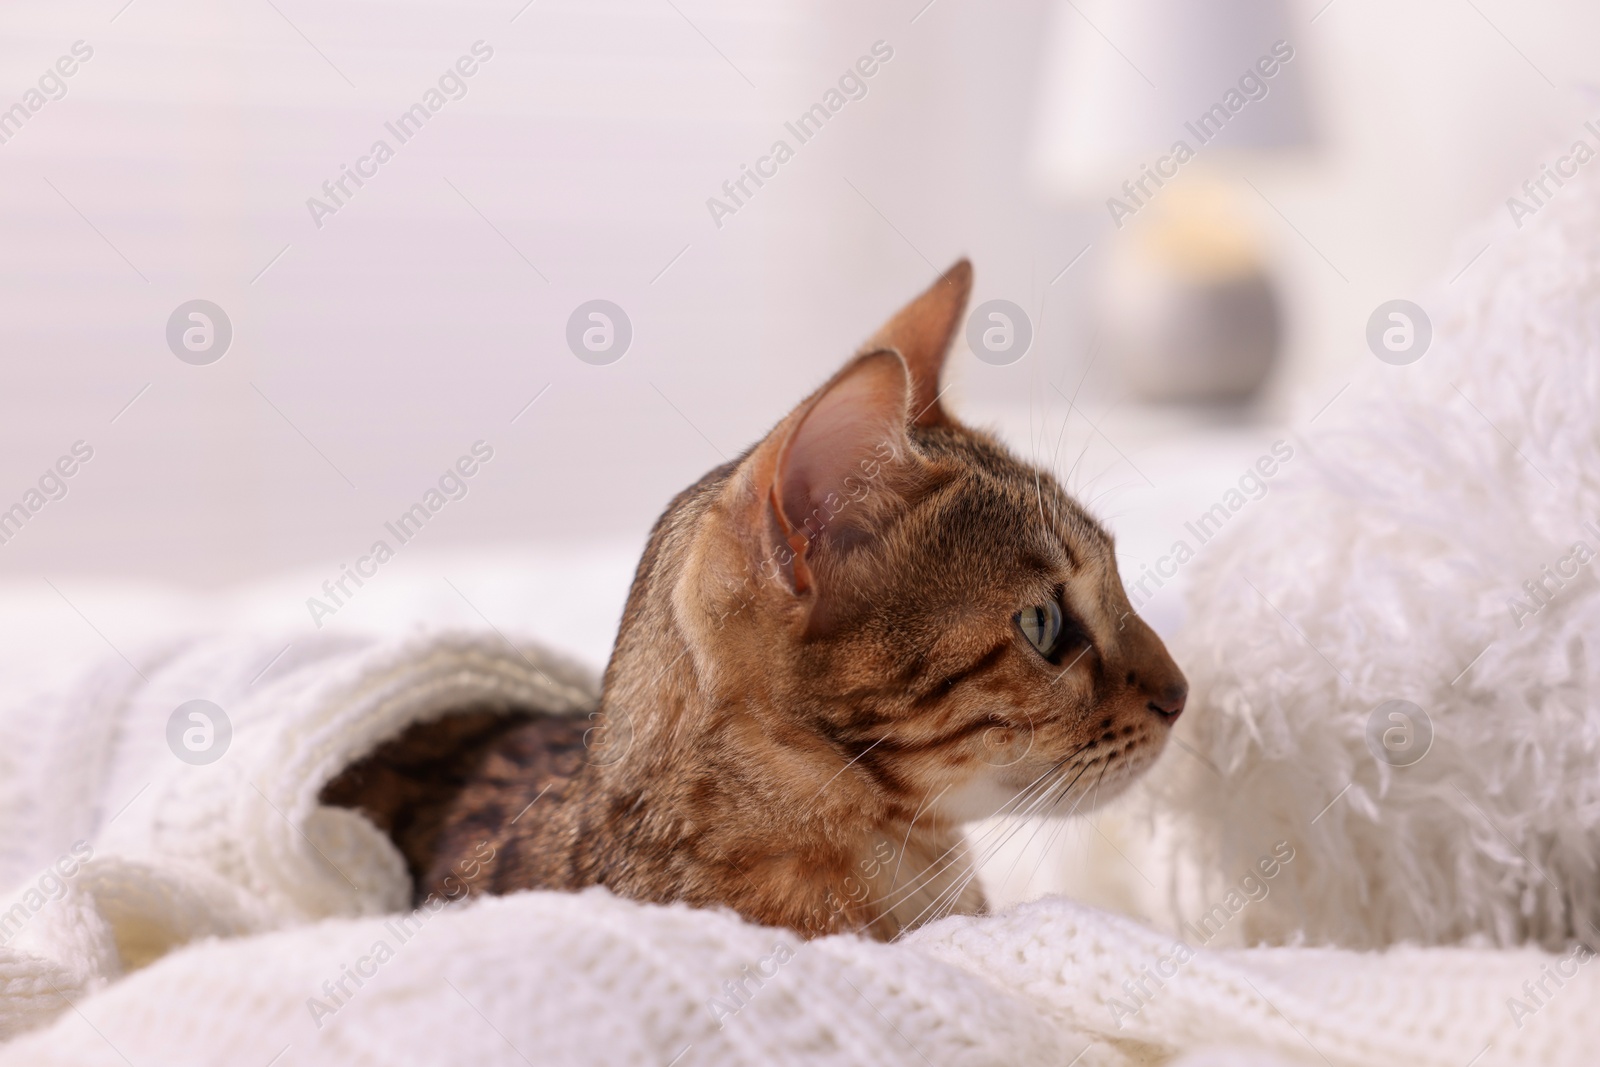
column 873, row 626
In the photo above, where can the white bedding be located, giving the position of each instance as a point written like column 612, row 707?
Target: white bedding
column 222, row 907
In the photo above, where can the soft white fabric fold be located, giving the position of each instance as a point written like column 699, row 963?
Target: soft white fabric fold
column 237, row 846
column 226, row 916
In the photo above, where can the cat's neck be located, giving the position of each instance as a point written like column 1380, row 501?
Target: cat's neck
column 721, row 798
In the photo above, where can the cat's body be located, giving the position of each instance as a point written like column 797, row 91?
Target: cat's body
column 873, row 626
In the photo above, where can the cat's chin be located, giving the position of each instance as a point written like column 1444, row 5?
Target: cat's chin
column 1020, row 791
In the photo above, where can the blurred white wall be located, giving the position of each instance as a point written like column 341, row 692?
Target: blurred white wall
column 432, row 307
column 1435, row 111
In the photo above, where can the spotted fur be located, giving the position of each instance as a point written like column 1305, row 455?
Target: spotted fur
column 818, row 677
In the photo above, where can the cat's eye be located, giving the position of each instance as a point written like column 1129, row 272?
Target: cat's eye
column 1041, row 625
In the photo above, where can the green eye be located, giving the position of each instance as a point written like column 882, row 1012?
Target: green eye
column 1041, row 625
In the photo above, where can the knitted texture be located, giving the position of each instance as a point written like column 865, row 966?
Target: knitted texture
column 227, row 917
column 588, row 978
column 237, row 846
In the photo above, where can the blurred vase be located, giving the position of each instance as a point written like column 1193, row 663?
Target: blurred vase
column 1189, row 311
column 1188, row 305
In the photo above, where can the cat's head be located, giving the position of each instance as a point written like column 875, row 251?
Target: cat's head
column 900, row 591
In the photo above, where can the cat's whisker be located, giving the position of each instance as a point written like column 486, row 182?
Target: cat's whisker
column 1037, row 826
column 1018, row 823
column 1073, row 469
column 945, row 901
column 909, row 826
column 1046, row 801
column 1049, row 845
column 1005, row 831
column 1055, row 455
column 1042, row 794
column 1097, row 782
column 1090, row 492
column 1020, row 853
column 1062, row 823
column 945, row 860
column 1130, row 484
column 952, row 894
column 1072, row 403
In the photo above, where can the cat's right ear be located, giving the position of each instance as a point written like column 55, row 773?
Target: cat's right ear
column 827, row 473
column 923, row 332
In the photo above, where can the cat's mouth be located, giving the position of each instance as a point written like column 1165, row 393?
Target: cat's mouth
column 1105, row 774
column 1056, row 788
column 1021, row 772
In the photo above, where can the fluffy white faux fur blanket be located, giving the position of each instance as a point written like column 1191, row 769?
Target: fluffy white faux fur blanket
column 1438, row 545
column 225, row 917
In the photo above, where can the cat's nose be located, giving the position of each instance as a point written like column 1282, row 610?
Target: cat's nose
column 1169, row 705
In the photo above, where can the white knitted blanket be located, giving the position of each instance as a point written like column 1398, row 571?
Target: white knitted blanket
column 223, row 916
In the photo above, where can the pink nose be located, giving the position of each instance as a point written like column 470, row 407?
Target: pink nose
column 1170, row 704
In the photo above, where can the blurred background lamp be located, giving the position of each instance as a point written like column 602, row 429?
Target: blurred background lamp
column 1150, row 109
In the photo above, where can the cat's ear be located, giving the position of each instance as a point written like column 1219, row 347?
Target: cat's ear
column 831, row 467
column 922, row 332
